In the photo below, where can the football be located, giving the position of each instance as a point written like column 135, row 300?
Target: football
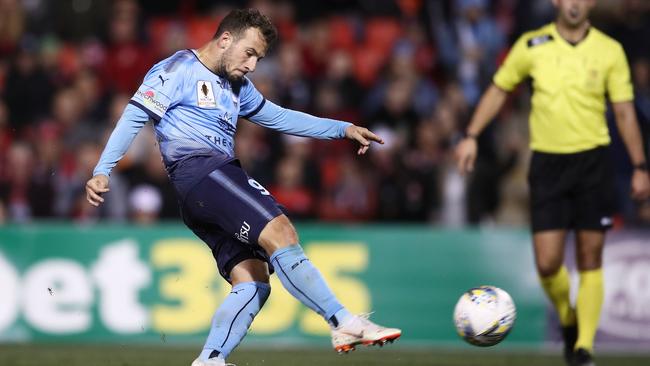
column 484, row 315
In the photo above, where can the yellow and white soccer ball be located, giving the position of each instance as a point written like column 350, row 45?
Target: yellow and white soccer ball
column 484, row 315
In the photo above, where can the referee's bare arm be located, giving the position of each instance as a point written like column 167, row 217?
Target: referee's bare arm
column 628, row 128
column 490, row 104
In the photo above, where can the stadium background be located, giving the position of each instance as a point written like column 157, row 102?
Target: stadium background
column 398, row 231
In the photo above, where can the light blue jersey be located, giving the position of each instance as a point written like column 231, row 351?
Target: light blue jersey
column 195, row 112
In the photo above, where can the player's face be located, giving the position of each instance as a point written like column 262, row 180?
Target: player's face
column 242, row 55
column 573, row 13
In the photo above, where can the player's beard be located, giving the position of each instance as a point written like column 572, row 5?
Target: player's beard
column 222, row 69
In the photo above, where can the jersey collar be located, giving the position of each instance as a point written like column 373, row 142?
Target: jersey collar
column 223, row 82
column 562, row 40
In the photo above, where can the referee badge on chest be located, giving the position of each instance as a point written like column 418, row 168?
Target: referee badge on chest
column 205, row 95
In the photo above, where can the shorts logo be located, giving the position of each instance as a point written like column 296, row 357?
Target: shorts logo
column 242, row 235
column 205, row 95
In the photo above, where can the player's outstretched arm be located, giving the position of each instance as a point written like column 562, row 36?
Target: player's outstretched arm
column 95, row 187
column 131, row 122
column 363, row 136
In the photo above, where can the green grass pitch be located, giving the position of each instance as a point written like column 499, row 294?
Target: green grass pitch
column 124, row 355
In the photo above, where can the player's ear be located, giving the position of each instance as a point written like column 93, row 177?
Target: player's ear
column 225, row 40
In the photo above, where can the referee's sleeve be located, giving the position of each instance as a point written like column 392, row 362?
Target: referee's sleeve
column 619, row 84
column 515, row 68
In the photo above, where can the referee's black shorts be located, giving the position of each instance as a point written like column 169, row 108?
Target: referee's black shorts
column 571, row 191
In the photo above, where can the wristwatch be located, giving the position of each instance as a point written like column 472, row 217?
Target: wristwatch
column 470, row 136
column 643, row 166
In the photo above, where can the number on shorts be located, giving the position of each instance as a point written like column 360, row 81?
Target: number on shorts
column 258, row 186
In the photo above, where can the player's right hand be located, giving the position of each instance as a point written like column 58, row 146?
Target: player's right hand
column 465, row 153
column 95, row 187
column 363, row 136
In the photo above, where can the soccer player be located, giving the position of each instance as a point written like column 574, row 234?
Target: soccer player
column 573, row 67
column 194, row 99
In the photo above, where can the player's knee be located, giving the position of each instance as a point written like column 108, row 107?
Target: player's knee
column 278, row 233
column 546, row 268
column 589, row 261
column 250, row 270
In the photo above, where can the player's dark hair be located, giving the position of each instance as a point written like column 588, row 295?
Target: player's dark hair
column 238, row 20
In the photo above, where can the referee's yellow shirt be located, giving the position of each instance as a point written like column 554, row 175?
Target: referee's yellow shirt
column 569, row 86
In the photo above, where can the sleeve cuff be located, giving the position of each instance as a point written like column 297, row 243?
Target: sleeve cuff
column 622, row 99
column 101, row 172
column 344, row 126
column 501, row 85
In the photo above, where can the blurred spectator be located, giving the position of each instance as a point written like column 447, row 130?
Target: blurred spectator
column 633, row 28
column 127, row 57
column 469, row 44
column 352, row 197
column 174, row 39
column 64, row 84
column 396, row 110
column 150, row 172
column 315, row 48
column 420, row 93
column 453, row 200
column 338, row 93
column 28, row 90
column 12, row 24
column 254, row 152
column 291, row 191
column 6, row 137
column 641, row 78
column 68, row 112
column 145, row 203
column 387, row 175
column 71, row 194
column 93, row 100
column 291, row 88
column 3, row 213
column 26, row 196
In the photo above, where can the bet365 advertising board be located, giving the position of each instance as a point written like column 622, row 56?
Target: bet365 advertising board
column 128, row 284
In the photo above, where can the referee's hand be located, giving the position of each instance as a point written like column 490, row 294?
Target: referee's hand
column 640, row 185
column 94, row 189
column 466, row 155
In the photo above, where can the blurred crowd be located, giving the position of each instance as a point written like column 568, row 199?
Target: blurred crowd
column 410, row 70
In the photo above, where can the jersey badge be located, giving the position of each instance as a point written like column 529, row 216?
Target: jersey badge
column 536, row 41
column 205, row 95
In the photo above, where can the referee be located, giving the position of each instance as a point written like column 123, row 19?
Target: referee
column 573, row 67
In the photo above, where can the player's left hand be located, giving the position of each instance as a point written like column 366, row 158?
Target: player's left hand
column 363, row 136
column 640, row 185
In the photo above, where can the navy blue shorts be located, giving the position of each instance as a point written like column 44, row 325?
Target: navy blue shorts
column 228, row 210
